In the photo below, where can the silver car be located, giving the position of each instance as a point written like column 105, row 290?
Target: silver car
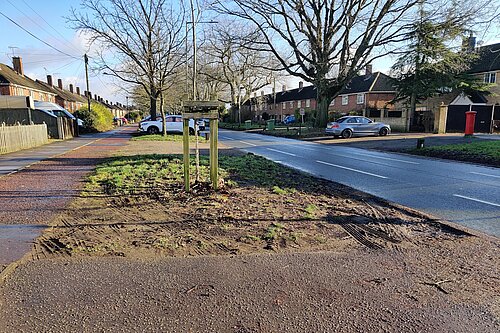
column 348, row 126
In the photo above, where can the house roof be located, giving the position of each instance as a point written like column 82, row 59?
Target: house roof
column 64, row 94
column 364, row 83
column 9, row 75
column 308, row 92
column 369, row 83
column 489, row 59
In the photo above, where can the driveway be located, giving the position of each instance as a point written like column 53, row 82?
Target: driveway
column 459, row 192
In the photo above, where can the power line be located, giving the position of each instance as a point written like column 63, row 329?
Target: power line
column 57, row 31
column 32, row 35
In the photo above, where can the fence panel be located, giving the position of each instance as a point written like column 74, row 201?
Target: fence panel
column 17, row 137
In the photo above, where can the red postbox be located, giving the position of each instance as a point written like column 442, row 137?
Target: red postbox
column 470, row 119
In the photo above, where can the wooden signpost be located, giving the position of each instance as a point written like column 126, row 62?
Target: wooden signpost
column 202, row 110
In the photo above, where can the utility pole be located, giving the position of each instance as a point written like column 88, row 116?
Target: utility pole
column 87, row 77
column 194, row 50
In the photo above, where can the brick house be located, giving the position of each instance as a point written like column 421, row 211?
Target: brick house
column 284, row 103
column 13, row 82
column 70, row 99
column 487, row 69
column 367, row 94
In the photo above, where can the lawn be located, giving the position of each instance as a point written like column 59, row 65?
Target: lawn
column 484, row 152
column 168, row 137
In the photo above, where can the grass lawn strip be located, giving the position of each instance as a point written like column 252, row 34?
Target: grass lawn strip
column 168, row 137
column 486, row 152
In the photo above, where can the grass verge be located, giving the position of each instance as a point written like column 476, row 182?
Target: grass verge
column 483, row 152
column 168, row 137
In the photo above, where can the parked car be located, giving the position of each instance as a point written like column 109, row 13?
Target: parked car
column 173, row 124
column 348, row 126
column 56, row 110
column 289, row 120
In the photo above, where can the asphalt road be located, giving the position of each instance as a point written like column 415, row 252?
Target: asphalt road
column 463, row 193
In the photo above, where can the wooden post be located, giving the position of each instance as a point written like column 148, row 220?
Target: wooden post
column 185, row 144
column 214, row 154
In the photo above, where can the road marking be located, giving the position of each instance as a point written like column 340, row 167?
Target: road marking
column 385, row 158
column 248, row 143
column 477, row 200
column 281, row 152
column 484, row 174
column 350, row 169
column 225, row 138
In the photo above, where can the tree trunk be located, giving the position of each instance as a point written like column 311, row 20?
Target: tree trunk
column 323, row 102
column 163, row 118
column 152, row 104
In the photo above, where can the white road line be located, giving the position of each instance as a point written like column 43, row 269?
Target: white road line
column 385, row 158
column 248, row 143
column 484, row 174
column 350, row 169
column 225, row 138
column 281, row 152
column 477, row 200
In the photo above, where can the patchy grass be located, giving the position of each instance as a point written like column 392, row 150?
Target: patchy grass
column 168, row 137
column 133, row 174
column 484, row 152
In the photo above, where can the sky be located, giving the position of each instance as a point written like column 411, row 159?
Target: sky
column 46, row 20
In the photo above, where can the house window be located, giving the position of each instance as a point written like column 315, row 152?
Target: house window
column 308, row 103
column 291, row 104
column 345, row 100
column 490, row 77
column 283, row 105
column 360, row 99
column 299, row 104
column 333, row 102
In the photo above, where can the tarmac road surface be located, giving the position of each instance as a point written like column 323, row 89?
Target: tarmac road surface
column 463, row 193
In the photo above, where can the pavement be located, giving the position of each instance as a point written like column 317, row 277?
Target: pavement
column 459, row 192
column 38, row 183
column 305, row 292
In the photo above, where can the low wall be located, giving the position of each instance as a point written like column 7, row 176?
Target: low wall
column 17, row 137
column 397, row 124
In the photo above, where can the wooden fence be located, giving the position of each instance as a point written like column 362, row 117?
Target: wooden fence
column 17, row 137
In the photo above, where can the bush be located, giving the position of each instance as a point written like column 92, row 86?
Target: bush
column 98, row 119
column 133, row 115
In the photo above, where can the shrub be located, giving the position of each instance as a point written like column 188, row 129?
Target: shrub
column 98, row 119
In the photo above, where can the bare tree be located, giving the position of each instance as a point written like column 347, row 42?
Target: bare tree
column 324, row 42
column 141, row 40
column 232, row 61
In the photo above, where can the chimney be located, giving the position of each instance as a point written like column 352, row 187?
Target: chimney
column 283, row 88
column 107, row 102
column 301, row 84
column 78, row 90
column 59, row 83
column 18, row 65
column 254, row 95
column 368, row 69
column 262, row 93
column 469, row 43
column 49, row 80
column 95, row 96
column 71, row 88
